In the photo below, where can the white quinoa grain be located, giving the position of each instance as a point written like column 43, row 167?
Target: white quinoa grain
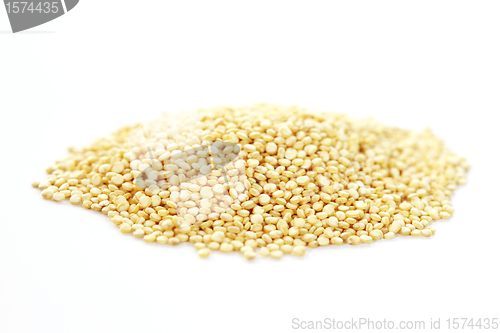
column 204, row 252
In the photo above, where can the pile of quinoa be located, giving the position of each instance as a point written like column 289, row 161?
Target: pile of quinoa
column 295, row 179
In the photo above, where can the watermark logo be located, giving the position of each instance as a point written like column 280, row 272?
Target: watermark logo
column 183, row 166
column 203, row 178
column 24, row 15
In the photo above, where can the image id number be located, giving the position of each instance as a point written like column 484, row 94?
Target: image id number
column 29, row 7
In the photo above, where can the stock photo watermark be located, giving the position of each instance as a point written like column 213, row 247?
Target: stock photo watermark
column 385, row 324
column 25, row 15
column 215, row 171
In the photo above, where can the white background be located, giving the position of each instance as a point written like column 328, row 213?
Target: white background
column 110, row 63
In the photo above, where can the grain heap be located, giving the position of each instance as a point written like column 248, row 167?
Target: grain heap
column 302, row 179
